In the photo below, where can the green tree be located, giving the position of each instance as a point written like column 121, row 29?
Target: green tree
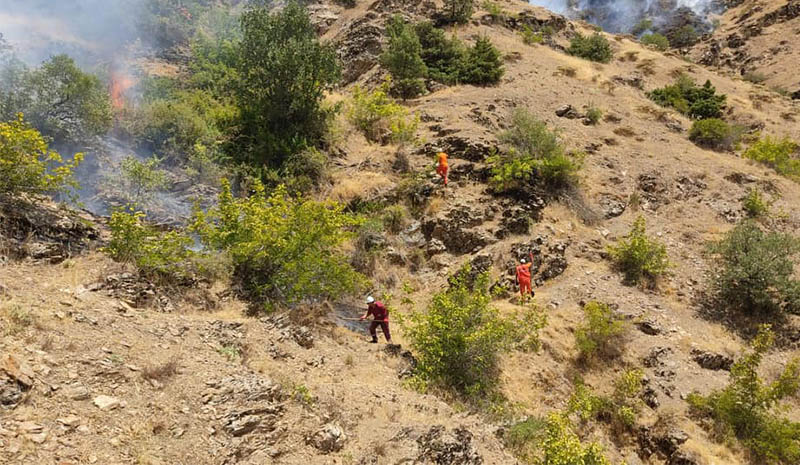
column 656, row 40
column 714, row 133
column 594, row 47
column 403, row 60
column 561, row 446
column 459, row 339
column 459, row 11
column 602, row 334
column 748, row 408
column 442, row 56
column 778, row 154
column 141, row 180
column 58, row 99
column 284, row 72
column 285, row 250
column 27, row 165
column 638, row 256
column 755, row 272
column 482, row 64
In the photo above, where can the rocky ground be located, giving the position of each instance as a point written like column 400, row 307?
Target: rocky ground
column 100, row 367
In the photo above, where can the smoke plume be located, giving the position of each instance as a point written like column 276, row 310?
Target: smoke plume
column 622, row 16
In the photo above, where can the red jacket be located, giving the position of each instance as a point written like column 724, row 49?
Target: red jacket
column 524, row 272
column 378, row 311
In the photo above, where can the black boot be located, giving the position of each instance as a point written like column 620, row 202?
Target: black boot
column 374, row 341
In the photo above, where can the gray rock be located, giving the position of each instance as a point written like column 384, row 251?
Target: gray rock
column 711, row 360
column 649, row 327
column 78, row 392
column 330, row 438
column 439, row 447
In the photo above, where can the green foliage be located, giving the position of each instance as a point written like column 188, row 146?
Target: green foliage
column 482, row 64
column 715, row 134
column 755, row 271
column 594, row 47
column 602, row 334
column 377, row 114
column 394, row 218
column 639, row 257
column 655, row 40
column 458, row 11
column 525, row 437
column 285, row 250
column 754, row 204
column 27, row 165
column 685, row 36
column 697, row 102
column 442, row 56
column 284, row 72
column 531, row 36
column 140, row 180
column 459, row 339
column 495, row 11
column 642, row 26
column 535, row 154
column 562, row 446
column 754, row 77
column 779, row 154
column 619, row 409
column 157, row 254
column 58, row 99
column 403, row 59
column 593, row 114
column 748, row 408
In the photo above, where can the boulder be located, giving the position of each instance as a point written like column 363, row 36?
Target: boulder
column 440, row 447
column 711, row 360
column 330, row 438
column 106, row 403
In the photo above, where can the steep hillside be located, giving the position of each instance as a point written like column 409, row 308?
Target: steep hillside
column 102, row 367
column 758, row 40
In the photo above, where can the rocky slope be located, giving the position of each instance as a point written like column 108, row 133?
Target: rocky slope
column 100, row 367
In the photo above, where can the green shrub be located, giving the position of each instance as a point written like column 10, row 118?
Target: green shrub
column 285, row 73
column 285, row 250
column 531, row 36
column 394, row 218
column 602, row 335
column 594, row 47
column 748, row 408
column 458, row 11
column 535, row 154
column 27, row 165
column 562, row 446
column 620, row 409
column 655, row 40
column 377, row 115
column 697, row 102
column 458, row 341
column 525, row 437
column 714, row 134
column 403, row 59
column 162, row 255
column 495, row 11
column 755, row 271
column 754, row 76
column 442, row 56
column 754, row 204
column 482, row 64
column 642, row 26
column 593, row 114
column 779, row 154
column 684, row 36
column 639, row 257
column 139, row 181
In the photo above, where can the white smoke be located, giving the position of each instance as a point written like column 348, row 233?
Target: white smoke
column 622, row 15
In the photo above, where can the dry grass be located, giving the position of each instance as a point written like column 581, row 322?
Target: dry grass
column 647, row 66
column 625, row 132
column 568, row 71
column 161, row 372
column 351, row 186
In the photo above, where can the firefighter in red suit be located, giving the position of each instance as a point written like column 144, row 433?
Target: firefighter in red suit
column 524, row 278
column 380, row 317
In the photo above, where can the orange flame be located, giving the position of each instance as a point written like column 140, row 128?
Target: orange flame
column 120, row 83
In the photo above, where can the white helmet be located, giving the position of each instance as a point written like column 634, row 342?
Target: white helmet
column 522, row 260
column 370, row 300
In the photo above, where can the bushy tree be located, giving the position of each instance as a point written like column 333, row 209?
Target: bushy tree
column 755, row 272
column 602, row 333
column 443, row 56
column 619, row 409
column 535, row 155
column 482, row 64
column 639, row 257
column 656, row 40
column 380, row 117
column 58, row 99
column 403, row 60
column 284, row 72
column 459, row 11
column 748, row 408
column 561, row 446
column 714, row 133
column 27, row 165
column 140, row 180
column 684, row 95
column 778, row 154
column 459, row 339
column 594, row 47
column 285, row 250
